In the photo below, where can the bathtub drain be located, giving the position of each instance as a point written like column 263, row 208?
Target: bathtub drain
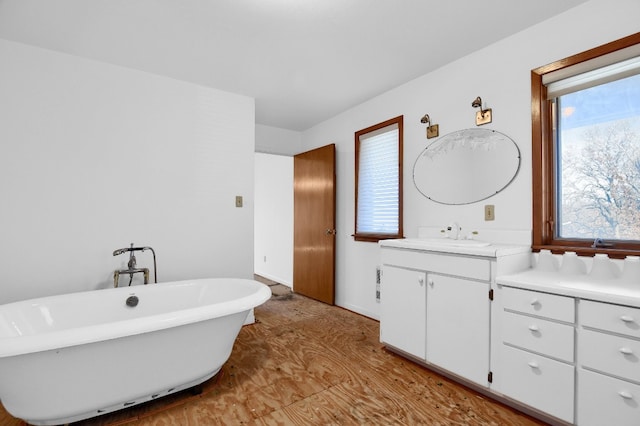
column 132, row 301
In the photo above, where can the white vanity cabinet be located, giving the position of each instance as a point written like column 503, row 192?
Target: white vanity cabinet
column 440, row 319
column 609, row 361
column 436, row 306
column 537, row 359
column 571, row 347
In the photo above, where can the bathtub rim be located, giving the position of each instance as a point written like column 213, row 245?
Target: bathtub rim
column 26, row 344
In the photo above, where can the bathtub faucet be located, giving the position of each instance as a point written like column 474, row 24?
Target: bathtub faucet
column 131, row 265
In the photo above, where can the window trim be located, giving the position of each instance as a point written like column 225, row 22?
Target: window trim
column 375, row 237
column 542, row 151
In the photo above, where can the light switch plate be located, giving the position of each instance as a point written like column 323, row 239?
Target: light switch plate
column 238, row 200
column 489, row 212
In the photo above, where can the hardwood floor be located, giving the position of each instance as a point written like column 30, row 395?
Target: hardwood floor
column 305, row 362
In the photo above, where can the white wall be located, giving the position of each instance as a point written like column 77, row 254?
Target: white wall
column 94, row 156
column 273, row 249
column 500, row 74
column 274, row 140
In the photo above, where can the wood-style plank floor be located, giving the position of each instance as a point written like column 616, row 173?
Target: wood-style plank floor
column 307, row 363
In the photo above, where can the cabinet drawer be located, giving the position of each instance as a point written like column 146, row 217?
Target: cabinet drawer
column 538, row 381
column 605, row 316
column 462, row 266
column 603, row 400
column 546, row 305
column 610, row 354
column 539, row 335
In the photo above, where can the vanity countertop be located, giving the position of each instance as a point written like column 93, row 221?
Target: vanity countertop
column 465, row 247
column 610, row 291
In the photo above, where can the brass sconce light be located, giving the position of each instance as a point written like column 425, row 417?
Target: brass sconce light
column 484, row 115
column 432, row 129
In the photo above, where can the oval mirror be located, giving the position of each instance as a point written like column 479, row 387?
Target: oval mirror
column 466, row 166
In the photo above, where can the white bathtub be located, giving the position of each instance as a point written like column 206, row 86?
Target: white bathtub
column 70, row 357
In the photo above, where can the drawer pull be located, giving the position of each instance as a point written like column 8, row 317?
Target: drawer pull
column 625, row 395
column 535, row 302
column 626, row 318
column 626, row 351
column 421, row 281
column 533, row 364
column 534, row 328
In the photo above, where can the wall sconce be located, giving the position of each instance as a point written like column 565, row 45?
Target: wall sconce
column 484, row 115
column 432, row 129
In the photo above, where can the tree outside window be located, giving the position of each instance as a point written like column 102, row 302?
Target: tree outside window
column 586, row 151
column 599, row 159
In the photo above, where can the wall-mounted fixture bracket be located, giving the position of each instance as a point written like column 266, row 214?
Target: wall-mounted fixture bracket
column 484, row 115
column 432, row 129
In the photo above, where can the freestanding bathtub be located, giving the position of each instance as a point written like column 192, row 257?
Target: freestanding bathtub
column 69, row 357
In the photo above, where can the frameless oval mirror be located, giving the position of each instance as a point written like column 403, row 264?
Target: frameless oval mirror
column 466, row 166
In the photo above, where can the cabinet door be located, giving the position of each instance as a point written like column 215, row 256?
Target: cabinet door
column 402, row 309
column 458, row 326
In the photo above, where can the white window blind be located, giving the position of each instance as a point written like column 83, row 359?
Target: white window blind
column 378, row 182
column 603, row 69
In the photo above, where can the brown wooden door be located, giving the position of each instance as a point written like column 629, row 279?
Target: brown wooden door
column 314, row 223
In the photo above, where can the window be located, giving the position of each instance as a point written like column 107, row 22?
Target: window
column 379, row 181
column 586, row 151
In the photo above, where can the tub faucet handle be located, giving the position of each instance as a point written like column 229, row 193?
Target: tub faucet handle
column 132, row 261
column 132, row 258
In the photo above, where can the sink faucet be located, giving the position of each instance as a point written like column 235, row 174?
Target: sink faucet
column 599, row 243
column 453, row 230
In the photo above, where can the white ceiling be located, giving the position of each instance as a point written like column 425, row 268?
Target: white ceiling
column 303, row 61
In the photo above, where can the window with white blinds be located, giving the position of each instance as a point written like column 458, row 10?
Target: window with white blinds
column 378, row 181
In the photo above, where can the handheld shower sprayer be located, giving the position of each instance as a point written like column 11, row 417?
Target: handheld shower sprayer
column 124, row 250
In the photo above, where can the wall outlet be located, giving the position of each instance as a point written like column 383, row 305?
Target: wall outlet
column 489, row 212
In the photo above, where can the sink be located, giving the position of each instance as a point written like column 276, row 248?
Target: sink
column 452, row 243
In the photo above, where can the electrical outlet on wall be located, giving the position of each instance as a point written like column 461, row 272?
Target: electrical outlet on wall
column 489, row 212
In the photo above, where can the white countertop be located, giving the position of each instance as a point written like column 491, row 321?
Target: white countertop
column 444, row 245
column 582, row 287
